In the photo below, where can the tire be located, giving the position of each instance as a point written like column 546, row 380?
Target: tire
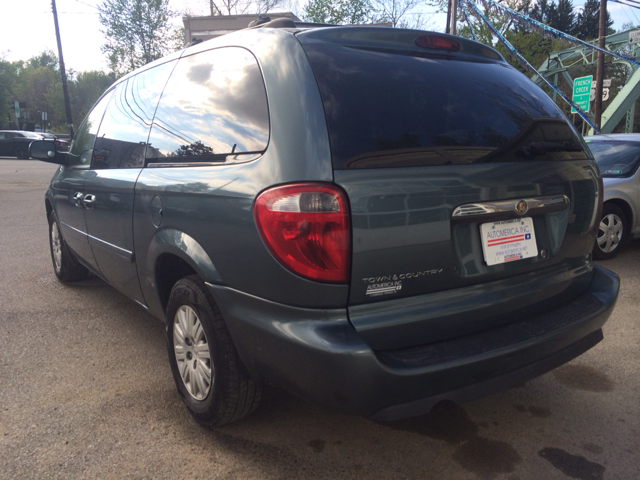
column 611, row 232
column 212, row 381
column 65, row 265
column 21, row 152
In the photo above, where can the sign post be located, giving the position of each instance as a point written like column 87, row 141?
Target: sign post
column 16, row 106
column 581, row 93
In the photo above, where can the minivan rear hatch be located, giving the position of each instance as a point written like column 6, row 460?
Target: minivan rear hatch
column 464, row 180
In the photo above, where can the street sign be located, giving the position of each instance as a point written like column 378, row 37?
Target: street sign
column 606, row 84
column 581, row 93
column 17, row 107
column 634, row 37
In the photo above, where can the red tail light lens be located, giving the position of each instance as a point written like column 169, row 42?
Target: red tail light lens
column 439, row 42
column 306, row 227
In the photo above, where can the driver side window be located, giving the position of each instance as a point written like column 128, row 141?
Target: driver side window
column 82, row 146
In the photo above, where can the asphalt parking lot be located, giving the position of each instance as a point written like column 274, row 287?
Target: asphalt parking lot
column 86, row 392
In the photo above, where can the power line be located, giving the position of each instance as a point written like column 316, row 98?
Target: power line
column 76, row 13
column 634, row 14
column 626, row 4
column 92, row 6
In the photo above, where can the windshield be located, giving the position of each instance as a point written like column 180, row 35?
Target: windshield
column 616, row 159
column 395, row 109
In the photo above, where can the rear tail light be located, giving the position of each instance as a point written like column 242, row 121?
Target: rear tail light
column 439, row 42
column 306, row 227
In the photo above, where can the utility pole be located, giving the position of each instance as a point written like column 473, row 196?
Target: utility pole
column 65, row 90
column 454, row 16
column 597, row 111
column 448, row 29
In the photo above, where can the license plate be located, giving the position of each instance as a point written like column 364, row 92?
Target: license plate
column 508, row 240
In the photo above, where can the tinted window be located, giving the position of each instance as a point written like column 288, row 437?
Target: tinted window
column 616, row 159
column 81, row 148
column 124, row 130
column 214, row 104
column 400, row 109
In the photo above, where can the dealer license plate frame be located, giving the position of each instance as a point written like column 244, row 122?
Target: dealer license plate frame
column 507, row 241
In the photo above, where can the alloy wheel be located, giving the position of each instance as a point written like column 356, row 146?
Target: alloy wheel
column 56, row 245
column 610, row 233
column 192, row 352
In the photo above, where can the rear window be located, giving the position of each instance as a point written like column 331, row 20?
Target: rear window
column 387, row 109
column 616, row 159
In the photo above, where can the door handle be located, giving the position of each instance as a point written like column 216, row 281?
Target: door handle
column 89, row 200
column 77, row 199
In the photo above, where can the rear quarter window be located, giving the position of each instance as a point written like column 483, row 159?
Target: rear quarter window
column 213, row 109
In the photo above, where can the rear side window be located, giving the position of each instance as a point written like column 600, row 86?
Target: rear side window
column 213, row 109
column 123, row 133
column 616, row 159
column 387, row 109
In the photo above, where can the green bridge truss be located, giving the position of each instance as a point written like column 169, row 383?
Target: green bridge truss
column 562, row 62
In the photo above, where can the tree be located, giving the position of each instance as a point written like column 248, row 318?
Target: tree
column 37, row 82
column 540, row 11
column 228, row 7
column 561, row 17
column 587, row 26
column 339, row 11
column 8, row 82
column 239, row 7
column 394, row 12
column 137, row 31
column 85, row 89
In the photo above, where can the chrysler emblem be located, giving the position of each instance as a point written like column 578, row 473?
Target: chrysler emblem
column 522, row 207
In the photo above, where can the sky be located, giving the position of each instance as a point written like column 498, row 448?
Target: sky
column 27, row 28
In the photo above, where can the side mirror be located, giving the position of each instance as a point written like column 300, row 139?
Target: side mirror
column 45, row 150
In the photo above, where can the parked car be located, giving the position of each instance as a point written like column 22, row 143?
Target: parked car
column 15, row 143
column 62, row 144
column 618, row 156
column 340, row 212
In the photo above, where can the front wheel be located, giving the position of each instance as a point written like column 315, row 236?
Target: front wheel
column 21, row 152
column 65, row 266
column 214, row 384
column 611, row 232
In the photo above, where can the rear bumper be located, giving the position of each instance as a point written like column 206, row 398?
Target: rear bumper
column 319, row 356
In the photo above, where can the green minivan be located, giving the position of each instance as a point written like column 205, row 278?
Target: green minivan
column 374, row 219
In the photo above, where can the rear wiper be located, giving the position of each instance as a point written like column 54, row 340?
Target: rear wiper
column 539, row 148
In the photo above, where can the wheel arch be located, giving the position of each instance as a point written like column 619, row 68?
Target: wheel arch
column 48, row 207
column 174, row 255
column 626, row 209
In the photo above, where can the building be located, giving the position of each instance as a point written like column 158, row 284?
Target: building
column 206, row 28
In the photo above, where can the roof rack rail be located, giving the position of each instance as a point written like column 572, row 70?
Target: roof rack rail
column 259, row 21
